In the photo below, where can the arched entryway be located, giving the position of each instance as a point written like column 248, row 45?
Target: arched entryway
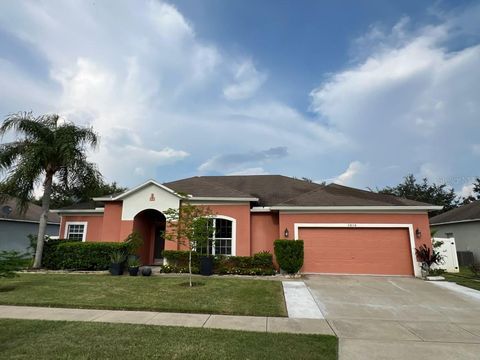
column 150, row 224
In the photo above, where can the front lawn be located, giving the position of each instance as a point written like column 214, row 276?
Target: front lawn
column 155, row 293
column 36, row 339
column 465, row 278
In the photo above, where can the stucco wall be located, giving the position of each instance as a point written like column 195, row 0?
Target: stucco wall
column 94, row 227
column 467, row 236
column 264, row 231
column 13, row 234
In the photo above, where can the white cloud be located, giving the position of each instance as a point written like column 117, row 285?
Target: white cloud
column 409, row 101
column 247, row 81
column 234, row 162
column 159, row 95
column 467, row 190
column 348, row 177
column 250, row 171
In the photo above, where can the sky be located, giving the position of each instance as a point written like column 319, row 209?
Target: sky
column 357, row 93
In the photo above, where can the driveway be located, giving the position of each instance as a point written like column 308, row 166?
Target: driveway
column 397, row 318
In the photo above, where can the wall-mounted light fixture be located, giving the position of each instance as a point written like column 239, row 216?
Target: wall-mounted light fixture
column 286, row 233
column 418, row 233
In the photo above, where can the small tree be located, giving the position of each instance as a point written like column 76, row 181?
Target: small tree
column 189, row 226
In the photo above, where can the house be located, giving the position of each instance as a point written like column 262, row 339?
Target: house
column 462, row 223
column 345, row 230
column 15, row 226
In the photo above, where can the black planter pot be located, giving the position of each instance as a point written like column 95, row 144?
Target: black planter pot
column 146, row 271
column 133, row 271
column 206, row 265
column 116, row 269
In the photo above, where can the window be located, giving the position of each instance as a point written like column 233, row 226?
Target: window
column 223, row 240
column 76, row 231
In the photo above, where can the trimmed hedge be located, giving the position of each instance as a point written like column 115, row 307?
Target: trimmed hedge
column 77, row 255
column 289, row 255
column 258, row 264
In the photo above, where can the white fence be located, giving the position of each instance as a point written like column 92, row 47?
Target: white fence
column 449, row 252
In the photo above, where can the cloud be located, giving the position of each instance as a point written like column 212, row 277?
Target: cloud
column 408, row 100
column 167, row 101
column 247, row 80
column 229, row 162
column 250, row 171
column 467, row 190
column 348, row 177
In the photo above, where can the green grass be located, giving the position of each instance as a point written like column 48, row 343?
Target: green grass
column 465, row 278
column 36, row 339
column 155, row 293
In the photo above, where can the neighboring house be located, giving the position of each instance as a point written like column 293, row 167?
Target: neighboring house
column 16, row 226
column 345, row 230
column 463, row 224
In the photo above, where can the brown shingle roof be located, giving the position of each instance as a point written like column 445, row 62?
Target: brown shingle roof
column 277, row 190
column 466, row 212
column 338, row 195
column 32, row 213
column 270, row 189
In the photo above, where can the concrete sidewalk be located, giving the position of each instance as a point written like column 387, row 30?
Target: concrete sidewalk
column 230, row 322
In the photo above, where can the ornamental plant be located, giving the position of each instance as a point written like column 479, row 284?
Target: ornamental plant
column 289, row 254
column 428, row 256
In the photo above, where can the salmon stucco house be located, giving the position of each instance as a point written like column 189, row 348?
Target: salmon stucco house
column 345, row 230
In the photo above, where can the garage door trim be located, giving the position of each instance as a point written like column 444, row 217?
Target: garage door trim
column 416, row 266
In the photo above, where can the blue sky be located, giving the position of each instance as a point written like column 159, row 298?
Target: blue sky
column 360, row 93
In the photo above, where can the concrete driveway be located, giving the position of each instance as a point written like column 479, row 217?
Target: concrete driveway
column 397, row 318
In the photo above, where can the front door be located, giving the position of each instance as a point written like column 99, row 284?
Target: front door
column 159, row 243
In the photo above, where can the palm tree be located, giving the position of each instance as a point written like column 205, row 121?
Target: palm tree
column 46, row 150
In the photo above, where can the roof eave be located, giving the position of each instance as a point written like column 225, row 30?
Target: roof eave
column 136, row 188
column 454, row 222
column 357, row 208
column 79, row 211
column 220, row 198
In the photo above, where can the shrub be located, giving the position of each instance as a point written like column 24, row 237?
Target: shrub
column 77, row 255
column 179, row 258
column 10, row 262
column 258, row 264
column 289, row 254
column 263, row 258
column 428, row 256
column 475, row 269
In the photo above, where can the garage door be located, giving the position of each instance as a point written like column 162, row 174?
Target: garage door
column 357, row 251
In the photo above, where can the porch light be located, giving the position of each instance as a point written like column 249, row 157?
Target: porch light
column 418, row 233
column 286, row 233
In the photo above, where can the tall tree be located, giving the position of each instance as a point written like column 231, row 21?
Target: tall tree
column 425, row 192
column 63, row 195
column 475, row 195
column 45, row 149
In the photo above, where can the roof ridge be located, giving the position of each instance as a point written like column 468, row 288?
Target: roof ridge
column 321, row 187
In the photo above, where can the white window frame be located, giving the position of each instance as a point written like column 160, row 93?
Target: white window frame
column 85, row 225
column 416, row 265
column 234, row 233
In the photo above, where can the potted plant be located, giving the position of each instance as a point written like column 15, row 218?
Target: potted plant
column 146, row 271
column 117, row 259
column 133, row 266
column 428, row 256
